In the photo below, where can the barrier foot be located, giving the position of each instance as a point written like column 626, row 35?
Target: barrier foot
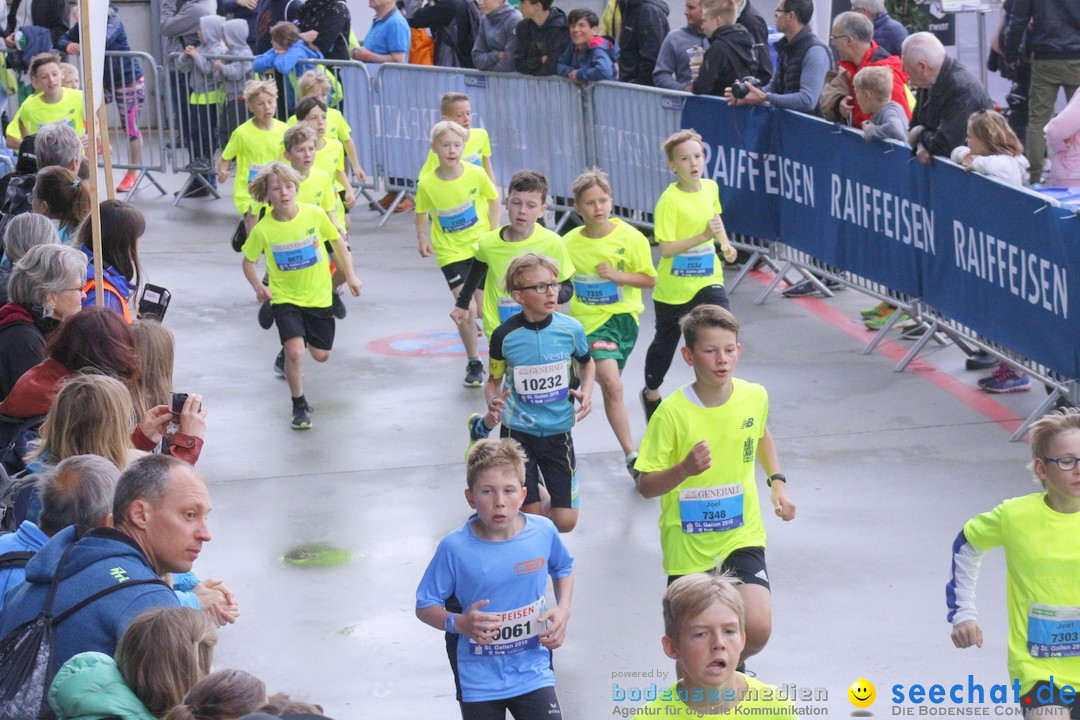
column 931, row 331
column 200, row 182
column 755, row 256
column 393, row 206
column 773, row 283
column 1048, row 403
column 894, row 316
column 144, row 174
column 561, row 222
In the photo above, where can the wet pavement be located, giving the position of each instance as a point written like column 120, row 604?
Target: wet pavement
column 884, row 467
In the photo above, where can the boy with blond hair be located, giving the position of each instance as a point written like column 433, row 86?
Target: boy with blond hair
column 873, row 91
column 457, row 107
column 253, row 144
column 704, row 632
column 292, row 236
column 456, row 204
column 315, row 83
column 709, row 512
column 499, row 630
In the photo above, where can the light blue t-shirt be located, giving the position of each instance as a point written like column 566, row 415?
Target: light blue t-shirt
column 538, row 360
column 389, row 35
column 513, row 576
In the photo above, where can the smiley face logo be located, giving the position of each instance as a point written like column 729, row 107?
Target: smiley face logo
column 862, row 693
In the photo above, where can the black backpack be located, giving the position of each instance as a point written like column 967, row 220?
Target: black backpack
column 26, row 653
column 15, row 437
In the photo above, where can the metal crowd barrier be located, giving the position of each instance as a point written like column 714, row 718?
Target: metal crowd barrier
column 626, row 126
column 200, row 130
column 514, row 109
column 134, row 115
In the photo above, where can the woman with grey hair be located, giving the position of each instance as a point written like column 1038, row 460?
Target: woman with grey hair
column 46, row 286
column 22, row 233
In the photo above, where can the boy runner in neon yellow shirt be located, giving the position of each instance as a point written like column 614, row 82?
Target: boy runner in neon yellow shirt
column 52, row 103
column 314, row 83
column 526, row 203
column 457, row 107
column 698, row 458
column 688, row 223
column 253, row 144
column 455, row 205
column 329, row 153
column 292, row 235
column 1042, row 559
column 705, row 633
column 613, row 263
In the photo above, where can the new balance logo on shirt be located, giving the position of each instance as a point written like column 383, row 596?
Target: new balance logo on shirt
column 747, row 423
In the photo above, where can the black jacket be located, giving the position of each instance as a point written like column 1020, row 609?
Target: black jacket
column 1055, row 32
column 751, row 19
column 644, row 27
column 22, row 342
column 730, row 57
column 533, row 43
column 943, row 109
column 453, row 28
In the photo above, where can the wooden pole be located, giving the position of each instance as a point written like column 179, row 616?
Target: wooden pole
column 106, row 151
column 89, row 79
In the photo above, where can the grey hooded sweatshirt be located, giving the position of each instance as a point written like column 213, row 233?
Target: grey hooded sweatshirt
column 496, row 35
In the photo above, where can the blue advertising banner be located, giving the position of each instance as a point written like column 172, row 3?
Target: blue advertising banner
column 986, row 255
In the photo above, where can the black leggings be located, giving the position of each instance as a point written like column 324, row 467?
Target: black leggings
column 662, row 350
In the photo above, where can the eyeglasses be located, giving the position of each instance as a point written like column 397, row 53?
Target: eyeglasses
column 780, row 11
column 73, row 289
column 543, row 288
column 834, row 38
column 1065, row 462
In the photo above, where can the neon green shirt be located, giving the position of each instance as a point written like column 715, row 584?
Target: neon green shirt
column 317, row 189
column 337, row 127
column 35, row 112
column 458, row 210
column 680, row 215
column 1042, row 586
column 712, row 514
column 252, row 148
column 295, row 258
column 595, row 299
column 499, row 253
column 760, row 700
column 477, row 147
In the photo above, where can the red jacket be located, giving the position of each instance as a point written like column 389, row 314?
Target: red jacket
column 877, row 56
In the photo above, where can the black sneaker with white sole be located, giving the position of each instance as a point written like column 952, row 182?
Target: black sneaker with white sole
column 474, row 374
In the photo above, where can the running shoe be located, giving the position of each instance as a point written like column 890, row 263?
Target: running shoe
column 630, row 460
column 301, row 420
column 266, row 316
column 126, row 183
column 875, row 311
column 474, row 374
column 477, row 431
column 1005, row 380
column 338, row 306
column 878, row 322
column 279, row 363
column 648, row 405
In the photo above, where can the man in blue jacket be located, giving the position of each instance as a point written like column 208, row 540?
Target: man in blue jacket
column 159, row 526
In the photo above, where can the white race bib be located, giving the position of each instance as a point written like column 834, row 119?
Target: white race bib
column 519, row 630
column 540, row 384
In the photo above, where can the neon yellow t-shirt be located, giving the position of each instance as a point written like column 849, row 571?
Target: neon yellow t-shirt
column 499, row 253
column 295, row 258
column 35, row 112
column 331, row 160
column 712, row 514
column 760, row 700
column 596, row 300
column 459, row 212
column 477, row 147
column 1042, row 584
column 337, row 127
column 253, row 148
column 317, row 189
column 680, row 215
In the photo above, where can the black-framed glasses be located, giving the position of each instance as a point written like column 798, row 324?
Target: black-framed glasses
column 542, row 288
column 780, row 11
column 1065, row 462
column 834, row 38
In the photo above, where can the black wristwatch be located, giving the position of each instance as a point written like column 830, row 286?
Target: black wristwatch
column 776, row 476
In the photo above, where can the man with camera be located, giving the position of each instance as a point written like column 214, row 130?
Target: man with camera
column 730, row 56
column 802, row 63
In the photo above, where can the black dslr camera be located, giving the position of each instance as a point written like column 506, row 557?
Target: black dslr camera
column 741, row 88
